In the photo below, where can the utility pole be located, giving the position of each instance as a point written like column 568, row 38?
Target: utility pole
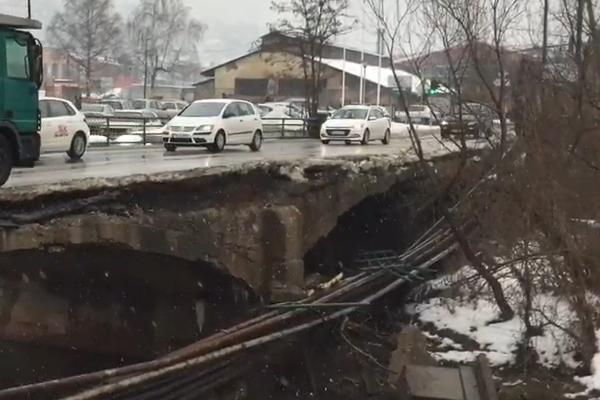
column 545, row 38
column 29, row 9
column 379, row 51
column 146, row 68
column 344, row 78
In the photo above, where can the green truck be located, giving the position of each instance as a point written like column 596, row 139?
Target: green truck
column 21, row 75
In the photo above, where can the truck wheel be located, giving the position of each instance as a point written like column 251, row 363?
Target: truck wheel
column 6, row 160
column 78, row 146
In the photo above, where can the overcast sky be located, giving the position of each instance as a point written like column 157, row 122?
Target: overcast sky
column 233, row 25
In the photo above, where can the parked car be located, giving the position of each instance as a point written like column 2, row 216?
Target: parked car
column 173, row 107
column 134, row 120
column 289, row 109
column 357, row 124
column 420, row 114
column 97, row 110
column 118, row 104
column 152, row 106
column 63, row 128
column 213, row 124
column 97, row 115
column 473, row 119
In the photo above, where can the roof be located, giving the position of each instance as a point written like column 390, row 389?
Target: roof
column 386, row 79
column 203, row 80
column 328, row 44
column 10, row 21
column 211, row 69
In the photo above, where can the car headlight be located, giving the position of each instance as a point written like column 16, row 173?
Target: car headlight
column 204, row 129
column 444, row 123
column 359, row 126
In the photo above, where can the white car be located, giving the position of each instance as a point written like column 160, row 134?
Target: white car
column 357, row 124
column 63, row 128
column 213, row 124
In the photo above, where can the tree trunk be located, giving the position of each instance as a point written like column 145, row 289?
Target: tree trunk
column 545, row 34
column 506, row 312
column 88, row 77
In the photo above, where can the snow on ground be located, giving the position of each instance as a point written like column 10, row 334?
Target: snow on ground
column 401, row 129
column 129, row 139
column 591, row 382
column 97, row 139
column 473, row 317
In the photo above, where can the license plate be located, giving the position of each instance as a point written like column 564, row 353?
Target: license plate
column 181, row 135
column 338, row 133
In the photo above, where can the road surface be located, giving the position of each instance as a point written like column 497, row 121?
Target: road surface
column 123, row 161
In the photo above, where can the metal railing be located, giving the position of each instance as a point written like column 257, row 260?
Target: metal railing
column 123, row 130
column 285, row 127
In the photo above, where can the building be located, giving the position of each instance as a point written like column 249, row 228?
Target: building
column 274, row 71
column 475, row 68
column 62, row 75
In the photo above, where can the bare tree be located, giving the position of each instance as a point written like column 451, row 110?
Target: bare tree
column 163, row 35
column 392, row 28
column 311, row 24
column 89, row 30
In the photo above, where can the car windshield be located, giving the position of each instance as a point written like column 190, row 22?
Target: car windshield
column 203, row 109
column 350, row 113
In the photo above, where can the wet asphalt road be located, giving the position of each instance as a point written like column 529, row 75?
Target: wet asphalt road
column 123, row 161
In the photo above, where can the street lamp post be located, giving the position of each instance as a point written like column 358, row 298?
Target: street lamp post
column 29, row 9
column 146, row 68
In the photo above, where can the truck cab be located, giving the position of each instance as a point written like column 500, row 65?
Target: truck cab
column 21, row 75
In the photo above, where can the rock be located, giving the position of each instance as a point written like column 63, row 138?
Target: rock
column 411, row 349
column 280, row 292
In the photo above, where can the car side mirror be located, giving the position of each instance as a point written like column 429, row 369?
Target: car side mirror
column 227, row 115
column 372, row 118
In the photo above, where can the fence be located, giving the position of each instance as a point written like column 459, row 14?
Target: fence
column 119, row 130
column 285, row 128
column 123, row 130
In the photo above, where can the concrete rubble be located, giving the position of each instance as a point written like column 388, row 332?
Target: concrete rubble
column 417, row 376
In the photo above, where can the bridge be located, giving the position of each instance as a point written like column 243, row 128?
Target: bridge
column 135, row 266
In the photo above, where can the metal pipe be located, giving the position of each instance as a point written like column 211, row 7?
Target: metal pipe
column 110, row 388
column 247, row 329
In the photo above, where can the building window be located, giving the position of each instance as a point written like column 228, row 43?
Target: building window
column 251, row 87
column 292, row 87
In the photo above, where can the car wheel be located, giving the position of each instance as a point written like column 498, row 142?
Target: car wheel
column 257, row 140
column 170, row 147
column 219, row 143
column 78, row 146
column 387, row 137
column 366, row 138
column 6, row 159
column 325, row 141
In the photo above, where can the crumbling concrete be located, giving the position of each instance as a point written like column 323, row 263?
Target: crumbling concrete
column 256, row 224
